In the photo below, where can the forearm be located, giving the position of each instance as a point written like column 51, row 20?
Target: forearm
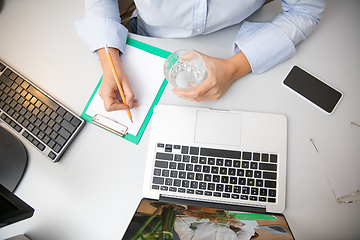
column 104, row 61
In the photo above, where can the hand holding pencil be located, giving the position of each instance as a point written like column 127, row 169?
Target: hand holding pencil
column 109, row 87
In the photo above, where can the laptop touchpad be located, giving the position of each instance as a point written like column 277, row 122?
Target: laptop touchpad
column 215, row 127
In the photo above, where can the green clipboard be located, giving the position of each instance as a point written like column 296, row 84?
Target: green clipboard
column 150, row 49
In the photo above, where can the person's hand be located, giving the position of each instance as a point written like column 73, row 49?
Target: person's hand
column 108, row 88
column 220, row 74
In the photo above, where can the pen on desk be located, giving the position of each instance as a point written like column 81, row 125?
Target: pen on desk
column 117, row 80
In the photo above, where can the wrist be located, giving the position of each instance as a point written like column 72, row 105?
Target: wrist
column 238, row 66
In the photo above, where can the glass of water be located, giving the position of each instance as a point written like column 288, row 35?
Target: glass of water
column 185, row 69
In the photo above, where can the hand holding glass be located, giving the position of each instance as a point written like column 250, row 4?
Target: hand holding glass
column 185, row 69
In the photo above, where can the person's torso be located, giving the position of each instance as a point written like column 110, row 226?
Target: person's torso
column 185, row 18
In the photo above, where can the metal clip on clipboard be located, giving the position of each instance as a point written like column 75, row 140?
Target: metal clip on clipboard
column 110, row 125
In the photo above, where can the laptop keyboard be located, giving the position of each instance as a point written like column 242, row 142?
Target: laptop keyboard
column 215, row 172
column 47, row 124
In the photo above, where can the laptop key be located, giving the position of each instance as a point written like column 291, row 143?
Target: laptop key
column 217, row 194
column 235, row 196
column 199, row 192
column 161, row 164
column 164, row 156
column 158, row 180
column 207, row 193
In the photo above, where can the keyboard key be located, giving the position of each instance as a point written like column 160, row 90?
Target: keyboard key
column 161, row 164
column 207, row 193
column 211, row 186
column 270, row 184
column 174, row 174
column 256, row 156
column 253, row 198
column 164, row 156
column 228, row 188
column 226, row 195
column 194, row 151
column 245, row 190
column 232, row 171
column 269, row 175
column 240, row 172
column 224, row 179
column 194, row 184
column 217, row 194
column 264, row 157
column 216, row 178
column 211, row 161
column 68, row 126
column 272, row 193
column 165, row 173
column 237, row 189
column 199, row 192
column 168, row 181
column 244, row 197
column 235, row 196
column 223, row 171
column 184, row 149
column 158, row 180
column 194, row 159
column 157, row 172
column 177, row 158
column 202, row 185
column 219, row 187
column 215, row 170
column 185, row 183
column 209, row 152
column 273, row 158
column 267, row 166
column 181, row 166
column 177, row 182
column 190, row 176
column 182, row 174
column 247, row 155
column 206, row 169
column 189, row 167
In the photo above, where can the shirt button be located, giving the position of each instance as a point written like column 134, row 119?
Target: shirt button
column 199, row 30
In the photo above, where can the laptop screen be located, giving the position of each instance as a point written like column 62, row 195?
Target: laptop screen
column 159, row 220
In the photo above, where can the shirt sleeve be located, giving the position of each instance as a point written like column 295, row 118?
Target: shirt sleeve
column 102, row 25
column 268, row 44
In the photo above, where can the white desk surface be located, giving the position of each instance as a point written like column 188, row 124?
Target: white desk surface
column 94, row 190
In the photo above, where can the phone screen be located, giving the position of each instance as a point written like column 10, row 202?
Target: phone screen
column 315, row 90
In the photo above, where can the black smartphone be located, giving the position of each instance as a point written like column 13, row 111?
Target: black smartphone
column 313, row 89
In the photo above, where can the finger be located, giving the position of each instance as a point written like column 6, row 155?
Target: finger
column 200, row 93
column 112, row 104
column 188, row 56
column 129, row 94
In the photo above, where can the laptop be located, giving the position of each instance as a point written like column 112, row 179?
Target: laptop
column 217, row 159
